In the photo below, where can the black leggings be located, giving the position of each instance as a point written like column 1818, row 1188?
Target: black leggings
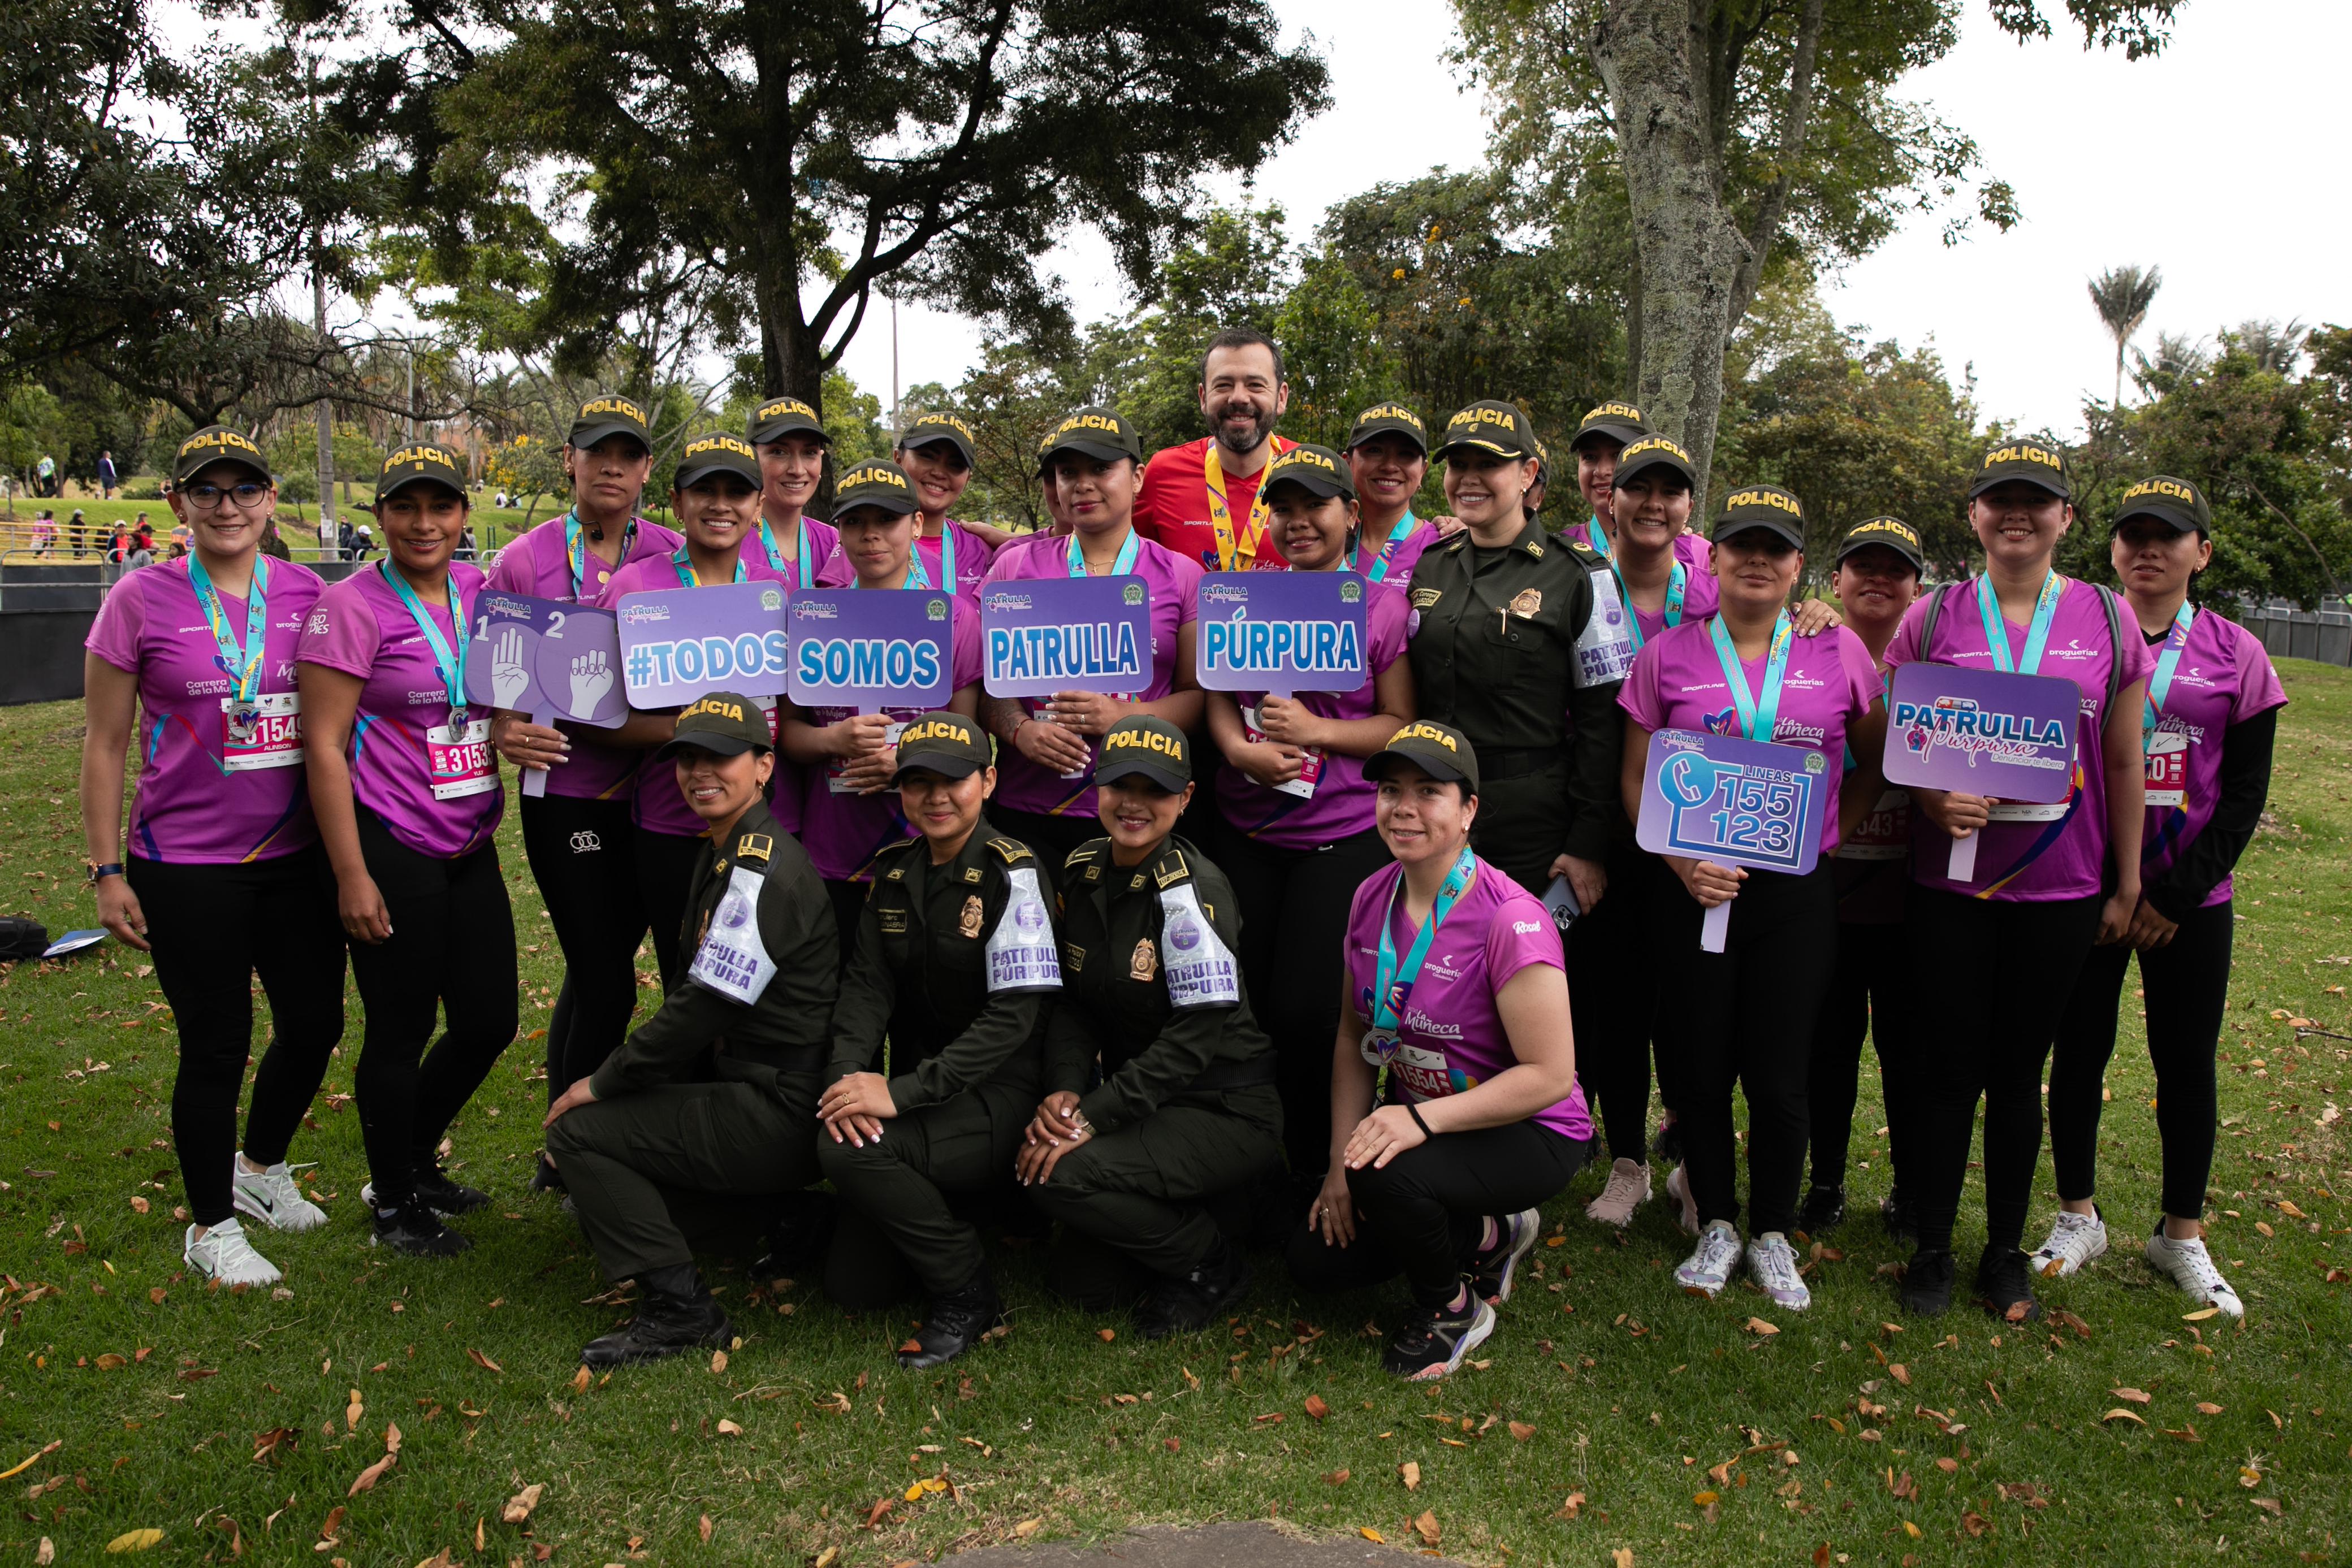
column 1868, row 995
column 583, row 854
column 1745, row 1016
column 2010, row 965
column 1613, row 993
column 1050, row 837
column 213, row 927
column 2187, row 986
column 452, row 947
column 1421, row 1215
column 1294, row 906
column 664, row 881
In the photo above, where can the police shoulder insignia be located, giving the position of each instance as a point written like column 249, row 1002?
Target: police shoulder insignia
column 1143, row 964
column 893, row 847
column 1012, row 851
column 1171, row 869
column 754, row 847
column 897, row 873
column 1082, row 855
column 1536, row 549
column 971, row 874
column 1527, row 602
column 967, row 923
column 1427, row 598
column 1076, row 954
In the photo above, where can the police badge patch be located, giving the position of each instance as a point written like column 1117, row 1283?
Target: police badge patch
column 1528, row 603
column 968, row 926
column 1144, row 965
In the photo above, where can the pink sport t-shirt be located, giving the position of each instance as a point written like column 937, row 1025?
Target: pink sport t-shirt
column 1700, row 597
column 2032, row 853
column 1175, row 584
column 538, row 564
column 973, row 557
column 1677, row 683
column 1451, row 1034
column 1392, row 567
column 204, row 797
column 436, row 787
column 2224, row 677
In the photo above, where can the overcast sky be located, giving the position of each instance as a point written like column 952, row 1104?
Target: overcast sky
column 2219, row 161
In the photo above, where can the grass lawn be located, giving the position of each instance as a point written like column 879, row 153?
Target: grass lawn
column 1615, row 1415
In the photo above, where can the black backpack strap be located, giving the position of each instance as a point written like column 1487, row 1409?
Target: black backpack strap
column 2116, row 642
column 1935, row 613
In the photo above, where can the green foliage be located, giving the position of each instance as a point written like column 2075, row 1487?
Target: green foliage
column 853, row 418
column 1339, row 358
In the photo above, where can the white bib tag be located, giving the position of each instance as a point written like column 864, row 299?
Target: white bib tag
column 1022, row 956
column 1200, row 969
column 1604, row 653
column 732, row 961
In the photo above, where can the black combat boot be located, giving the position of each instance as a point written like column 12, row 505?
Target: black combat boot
column 955, row 1323
column 676, row 1314
column 1185, row 1303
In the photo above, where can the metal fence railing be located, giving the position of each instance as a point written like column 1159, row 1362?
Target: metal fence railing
column 2288, row 631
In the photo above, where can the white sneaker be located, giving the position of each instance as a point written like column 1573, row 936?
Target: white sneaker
column 1628, row 1189
column 1774, row 1263
column 1709, row 1267
column 274, row 1197
column 223, row 1253
column 2188, row 1265
column 2075, row 1240
column 1678, row 1188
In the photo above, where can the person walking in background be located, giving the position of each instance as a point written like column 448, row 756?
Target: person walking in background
column 107, row 482
column 1201, row 501
column 44, row 475
column 79, row 530
column 45, row 533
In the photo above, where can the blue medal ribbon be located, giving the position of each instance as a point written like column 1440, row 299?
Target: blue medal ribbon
column 1759, row 715
column 1678, row 588
column 450, row 662
column 1392, row 981
column 1598, row 540
column 2037, row 633
column 575, row 550
column 689, row 577
column 2159, row 685
column 1378, row 571
column 243, row 665
column 1120, row 567
column 807, row 574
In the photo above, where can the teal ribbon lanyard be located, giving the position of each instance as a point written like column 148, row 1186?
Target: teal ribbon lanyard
column 918, row 574
column 243, row 665
column 1120, row 567
column 1599, row 541
column 450, row 662
column 1389, row 974
column 1759, row 715
column 689, row 577
column 1378, row 571
column 807, row 568
column 2159, row 685
column 2037, row 634
column 947, row 557
column 575, row 550
column 1677, row 588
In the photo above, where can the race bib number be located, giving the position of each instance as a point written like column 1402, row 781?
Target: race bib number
column 1310, row 766
column 1022, row 953
column 264, row 733
column 1604, row 649
column 732, row 961
column 1424, row 1073
column 2166, row 754
column 1884, row 832
column 460, row 760
column 835, row 783
column 1201, row 970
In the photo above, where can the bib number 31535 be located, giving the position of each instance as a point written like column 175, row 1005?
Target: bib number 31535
column 460, row 760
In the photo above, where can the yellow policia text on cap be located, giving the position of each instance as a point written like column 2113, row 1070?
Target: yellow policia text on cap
column 223, row 441
column 1418, row 731
column 1899, row 530
column 716, row 707
column 1651, row 443
column 1779, row 500
column 717, row 443
column 1169, row 745
column 619, row 405
column 937, row 419
column 421, row 455
column 1613, row 411
column 873, row 472
column 1471, row 418
column 779, row 408
column 1304, row 458
column 2023, row 453
column 2171, row 487
column 936, row 729
column 1086, row 422
column 1390, row 411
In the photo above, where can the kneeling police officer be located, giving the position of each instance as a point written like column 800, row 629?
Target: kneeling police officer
column 758, row 996
column 1161, row 1086
column 957, row 966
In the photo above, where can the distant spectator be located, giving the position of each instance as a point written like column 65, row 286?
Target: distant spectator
column 118, row 545
column 107, row 480
column 46, row 476
column 143, row 553
column 180, row 538
column 45, row 532
column 467, row 550
column 347, row 539
column 79, row 532
column 366, row 542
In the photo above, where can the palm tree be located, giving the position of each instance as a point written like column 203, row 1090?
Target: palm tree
column 2121, row 295
column 2274, row 348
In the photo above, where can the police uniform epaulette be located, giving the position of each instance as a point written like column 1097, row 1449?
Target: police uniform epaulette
column 1085, row 853
column 755, row 847
column 1012, row 851
column 893, row 847
column 1171, row 868
column 1583, row 554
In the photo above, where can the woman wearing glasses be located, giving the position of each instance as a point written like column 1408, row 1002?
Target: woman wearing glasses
column 221, row 876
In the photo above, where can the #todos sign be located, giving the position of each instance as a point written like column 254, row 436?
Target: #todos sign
column 548, row 659
column 679, row 642
column 1982, row 732
column 1733, row 802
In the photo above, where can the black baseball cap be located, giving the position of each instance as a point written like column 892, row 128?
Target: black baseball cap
column 1149, row 747
column 216, row 444
column 415, row 463
column 1892, row 532
column 1388, row 419
column 726, row 722
column 1489, row 426
column 1619, row 422
column 602, row 416
column 1098, row 431
column 1439, row 750
column 2175, row 501
column 947, row 744
column 716, row 455
column 781, row 416
column 2034, row 462
column 1766, row 506
column 933, row 428
column 873, row 482
column 1315, row 469
column 1653, row 452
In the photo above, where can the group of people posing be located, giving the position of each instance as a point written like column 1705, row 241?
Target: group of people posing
column 1386, row 965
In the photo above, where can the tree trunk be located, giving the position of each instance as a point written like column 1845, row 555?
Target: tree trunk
column 1691, row 250
column 326, row 408
column 1633, row 388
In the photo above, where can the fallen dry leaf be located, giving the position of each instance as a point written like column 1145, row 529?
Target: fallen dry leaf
column 1426, row 1527
column 1911, row 1529
column 832, row 1555
column 135, row 1541
column 518, row 1506
column 1521, row 1431
column 2268, row 1504
column 2206, row 1408
column 1900, row 1373
column 1027, row 1527
column 579, row 1381
column 718, row 1362
column 1572, row 1507
column 1410, row 1471
column 1758, row 1327
column 352, row 1412
column 1316, row 1407
column 270, row 1443
column 139, row 1206
column 2289, row 1209
column 2120, row 1414
column 334, row 1522
column 1621, row 1557
column 1337, row 1478
column 365, row 1480
column 1369, row 1533
column 728, row 1430
column 703, row 1528
column 1975, row 1524
column 1105, row 1335
column 1702, row 1500
column 1949, row 1466
column 45, row 1553
column 2136, row 1396
column 2201, row 1315
column 484, row 1362
column 110, row 1362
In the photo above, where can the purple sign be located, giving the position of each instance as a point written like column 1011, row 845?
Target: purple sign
column 1981, row 732
column 680, row 642
column 1280, row 632
column 1733, row 802
column 1042, row 635
column 873, row 648
column 547, row 660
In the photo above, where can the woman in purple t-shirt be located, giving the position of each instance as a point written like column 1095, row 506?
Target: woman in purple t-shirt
column 1745, row 1015
column 791, row 444
column 1295, row 828
column 1388, row 458
column 1454, row 971
column 407, row 789
column 936, row 452
column 220, row 876
column 2048, row 879
column 2206, row 734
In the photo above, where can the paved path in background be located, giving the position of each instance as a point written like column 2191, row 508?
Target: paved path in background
column 1209, row 1546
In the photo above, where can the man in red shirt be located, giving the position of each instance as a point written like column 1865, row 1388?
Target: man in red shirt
column 1201, row 499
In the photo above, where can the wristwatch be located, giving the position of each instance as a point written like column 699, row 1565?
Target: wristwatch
column 100, row 873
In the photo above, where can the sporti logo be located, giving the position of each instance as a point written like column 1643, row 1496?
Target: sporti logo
column 2023, row 451
column 2172, row 489
column 713, row 706
column 1776, row 500
column 936, row 729
column 1889, row 525
column 1426, row 732
column 781, row 407
column 421, row 456
column 619, row 405
column 1653, row 443
column 727, row 444
column 1613, row 411
column 874, row 473
column 1169, row 745
column 218, row 441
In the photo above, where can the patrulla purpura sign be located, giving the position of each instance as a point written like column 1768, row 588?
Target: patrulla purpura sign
column 1734, row 801
column 1981, row 732
column 1280, row 632
column 678, row 643
column 1042, row 635
column 548, row 660
column 872, row 649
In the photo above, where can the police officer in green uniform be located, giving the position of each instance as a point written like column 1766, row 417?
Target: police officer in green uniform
column 1161, row 1086
column 1521, row 646
column 758, row 997
column 955, row 965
